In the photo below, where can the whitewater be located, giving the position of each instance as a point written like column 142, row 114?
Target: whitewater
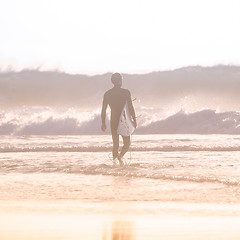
column 57, row 180
column 167, row 163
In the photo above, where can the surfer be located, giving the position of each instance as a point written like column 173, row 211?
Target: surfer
column 116, row 98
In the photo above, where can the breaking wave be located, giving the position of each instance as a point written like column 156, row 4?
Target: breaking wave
column 51, row 122
column 202, row 122
column 197, row 100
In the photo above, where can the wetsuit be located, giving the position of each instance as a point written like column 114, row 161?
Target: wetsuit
column 116, row 99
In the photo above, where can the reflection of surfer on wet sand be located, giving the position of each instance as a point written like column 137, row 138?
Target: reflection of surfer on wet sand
column 121, row 106
column 119, row 230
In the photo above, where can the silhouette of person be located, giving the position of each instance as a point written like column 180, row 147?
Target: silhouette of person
column 116, row 98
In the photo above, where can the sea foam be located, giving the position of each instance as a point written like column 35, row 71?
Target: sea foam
column 52, row 123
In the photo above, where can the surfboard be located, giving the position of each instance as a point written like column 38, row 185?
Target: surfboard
column 125, row 125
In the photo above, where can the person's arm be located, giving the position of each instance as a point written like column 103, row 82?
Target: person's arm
column 131, row 110
column 103, row 113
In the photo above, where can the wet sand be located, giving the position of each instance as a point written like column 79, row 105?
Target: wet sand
column 67, row 220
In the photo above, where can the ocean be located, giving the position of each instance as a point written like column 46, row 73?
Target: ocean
column 182, row 178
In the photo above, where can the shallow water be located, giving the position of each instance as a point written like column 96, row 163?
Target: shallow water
column 193, row 169
column 171, row 181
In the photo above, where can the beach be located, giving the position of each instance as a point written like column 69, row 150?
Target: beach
column 67, row 71
column 65, row 187
column 119, row 220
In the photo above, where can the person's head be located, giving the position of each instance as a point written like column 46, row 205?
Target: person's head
column 117, row 79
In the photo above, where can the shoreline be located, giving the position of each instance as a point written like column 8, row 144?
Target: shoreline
column 76, row 207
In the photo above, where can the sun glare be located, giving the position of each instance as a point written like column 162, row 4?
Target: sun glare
column 128, row 36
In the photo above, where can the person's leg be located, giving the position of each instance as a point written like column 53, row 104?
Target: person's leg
column 126, row 145
column 115, row 138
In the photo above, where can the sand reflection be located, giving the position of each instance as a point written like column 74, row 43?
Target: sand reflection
column 119, row 230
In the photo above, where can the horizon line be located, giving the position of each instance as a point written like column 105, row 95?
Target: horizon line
column 41, row 69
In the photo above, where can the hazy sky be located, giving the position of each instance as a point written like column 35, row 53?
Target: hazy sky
column 96, row 36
